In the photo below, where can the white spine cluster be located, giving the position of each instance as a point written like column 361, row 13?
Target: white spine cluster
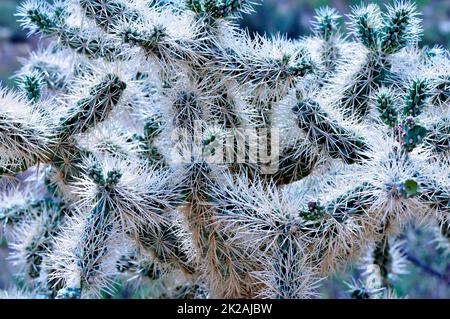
column 139, row 125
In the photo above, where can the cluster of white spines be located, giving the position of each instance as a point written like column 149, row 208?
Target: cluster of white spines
column 113, row 128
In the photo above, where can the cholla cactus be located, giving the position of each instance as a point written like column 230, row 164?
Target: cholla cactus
column 161, row 142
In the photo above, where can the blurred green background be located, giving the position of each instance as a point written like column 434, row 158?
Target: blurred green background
column 429, row 269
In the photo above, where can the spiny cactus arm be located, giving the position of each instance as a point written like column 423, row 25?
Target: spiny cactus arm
column 51, row 64
column 417, row 98
column 34, row 239
column 66, row 163
column 353, row 203
column 226, row 111
column 339, row 142
column 140, row 266
column 294, row 164
column 382, row 259
column 384, row 263
column 51, row 75
column 326, row 23
column 93, row 248
column 167, row 247
column 268, row 76
column 157, row 43
column 366, row 24
column 436, row 195
column 141, row 196
column 188, row 112
column 107, row 14
column 378, row 36
column 119, row 18
column 16, row 206
column 94, row 108
column 340, row 227
column 152, row 129
column 108, row 139
column 125, row 197
column 385, row 104
column 165, row 34
column 93, row 46
column 328, row 234
column 25, row 134
column 221, row 263
column 441, row 89
column 288, row 274
column 196, row 209
column 401, row 27
column 411, row 132
column 326, row 28
column 39, row 18
column 84, row 268
column 438, row 137
column 355, row 95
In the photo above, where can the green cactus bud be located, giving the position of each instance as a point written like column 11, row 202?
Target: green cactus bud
column 385, row 104
column 417, row 98
column 408, row 188
column 112, row 178
column 313, row 212
column 96, row 174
